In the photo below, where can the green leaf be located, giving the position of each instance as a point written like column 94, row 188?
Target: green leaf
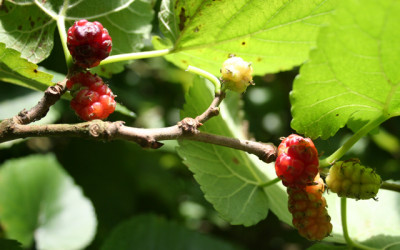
column 25, row 28
column 38, row 200
column 229, row 178
column 384, row 242
column 6, row 244
column 168, row 21
column 352, row 77
column 274, row 35
column 152, row 232
column 17, row 70
column 20, row 71
column 128, row 22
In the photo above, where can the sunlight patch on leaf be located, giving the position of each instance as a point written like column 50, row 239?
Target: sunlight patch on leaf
column 274, row 35
column 352, row 76
column 20, row 71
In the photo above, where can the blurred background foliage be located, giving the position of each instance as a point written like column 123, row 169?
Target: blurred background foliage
column 123, row 180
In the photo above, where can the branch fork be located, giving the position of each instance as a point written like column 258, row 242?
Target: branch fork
column 19, row 127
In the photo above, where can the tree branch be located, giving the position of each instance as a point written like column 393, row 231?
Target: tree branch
column 17, row 127
column 147, row 138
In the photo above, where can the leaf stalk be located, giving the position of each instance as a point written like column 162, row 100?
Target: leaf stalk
column 213, row 79
column 351, row 141
column 63, row 34
column 352, row 244
column 135, row 55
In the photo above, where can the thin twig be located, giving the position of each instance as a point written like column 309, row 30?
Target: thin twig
column 212, row 110
column 51, row 95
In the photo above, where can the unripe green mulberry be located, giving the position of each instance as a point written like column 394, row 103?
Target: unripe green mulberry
column 352, row 180
column 236, row 74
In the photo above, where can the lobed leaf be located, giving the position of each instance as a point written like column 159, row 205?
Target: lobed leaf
column 274, row 35
column 38, row 200
column 352, row 76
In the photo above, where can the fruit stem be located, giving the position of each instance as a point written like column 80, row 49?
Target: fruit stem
column 208, row 76
column 269, row 183
column 135, row 55
column 391, row 186
column 350, row 242
column 63, row 34
column 350, row 142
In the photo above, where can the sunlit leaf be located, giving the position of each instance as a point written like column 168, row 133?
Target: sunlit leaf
column 17, row 70
column 352, row 77
column 25, row 28
column 274, row 35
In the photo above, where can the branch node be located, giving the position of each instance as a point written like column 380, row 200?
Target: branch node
column 270, row 153
column 148, row 142
column 95, row 130
column 189, row 125
column 156, row 144
column 214, row 111
column 22, row 117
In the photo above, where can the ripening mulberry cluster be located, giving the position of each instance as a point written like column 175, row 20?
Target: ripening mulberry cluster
column 92, row 98
column 89, row 43
column 308, row 208
column 297, row 166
